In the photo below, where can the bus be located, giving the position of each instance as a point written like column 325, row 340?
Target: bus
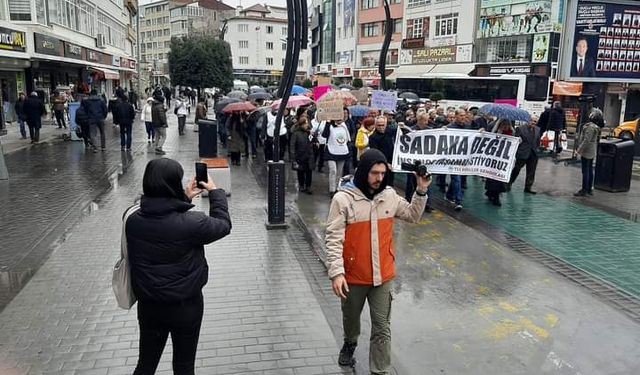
column 524, row 91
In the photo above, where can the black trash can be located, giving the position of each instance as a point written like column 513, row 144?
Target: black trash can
column 208, row 138
column 614, row 165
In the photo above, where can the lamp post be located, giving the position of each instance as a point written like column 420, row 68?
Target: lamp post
column 388, row 32
column 296, row 40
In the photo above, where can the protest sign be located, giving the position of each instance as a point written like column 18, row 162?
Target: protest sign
column 320, row 91
column 330, row 110
column 362, row 96
column 458, row 151
column 384, row 100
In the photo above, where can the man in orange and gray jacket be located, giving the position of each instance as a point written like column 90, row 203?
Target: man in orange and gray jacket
column 361, row 256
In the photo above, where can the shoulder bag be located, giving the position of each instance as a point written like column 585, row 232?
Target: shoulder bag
column 121, row 280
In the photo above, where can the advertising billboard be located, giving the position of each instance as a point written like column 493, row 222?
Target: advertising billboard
column 606, row 42
column 349, row 12
column 503, row 18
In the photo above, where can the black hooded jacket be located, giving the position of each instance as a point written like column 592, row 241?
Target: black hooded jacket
column 361, row 178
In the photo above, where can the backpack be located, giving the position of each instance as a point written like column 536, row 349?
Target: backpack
column 82, row 117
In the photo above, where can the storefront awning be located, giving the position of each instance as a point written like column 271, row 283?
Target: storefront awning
column 108, row 73
column 453, row 69
column 409, row 71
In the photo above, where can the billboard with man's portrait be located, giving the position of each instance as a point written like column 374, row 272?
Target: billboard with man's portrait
column 606, row 42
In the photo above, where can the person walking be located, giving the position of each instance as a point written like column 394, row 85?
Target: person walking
column 182, row 110
column 19, row 108
column 303, row 155
column 336, row 152
column 268, row 143
column 127, row 115
column 587, row 148
column 360, row 253
column 166, row 240
column 527, row 154
column 365, row 130
column 236, row 125
column 317, row 129
column 493, row 188
column 384, row 139
column 422, row 123
column 557, row 123
column 201, row 113
column 159, row 121
column 145, row 117
column 59, row 102
column 33, row 111
column 97, row 111
column 455, row 192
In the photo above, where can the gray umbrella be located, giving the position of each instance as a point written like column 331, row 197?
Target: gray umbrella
column 345, row 86
column 254, row 89
column 409, row 95
column 238, row 95
column 260, row 96
column 224, row 102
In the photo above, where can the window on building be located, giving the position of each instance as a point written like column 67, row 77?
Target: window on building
column 395, row 1
column 417, row 3
column 339, row 33
column 300, row 63
column 418, row 28
column 285, row 31
column 243, row 60
column 370, row 29
column 269, row 61
column 339, row 8
column 270, row 45
column 75, row 15
column 269, row 29
column 149, row 45
column 113, row 31
column 282, row 62
column 284, row 46
column 243, row 44
column 368, row 4
column 508, row 49
column 243, row 28
column 167, row 44
column 447, row 24
column 148, row 22
column 20, row 10
column 397, row 26
column 160, row 56
column 167, row 32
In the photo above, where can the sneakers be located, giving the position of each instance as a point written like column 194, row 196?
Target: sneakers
column 346, row 354
column 458, row 207
column 580, row 193
column 159, row 152
column 529, row 191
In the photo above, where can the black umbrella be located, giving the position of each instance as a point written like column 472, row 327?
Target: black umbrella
column 260, row 96
column 409, row 95
column 224, row 102
column 345, row 86
column 255, row 115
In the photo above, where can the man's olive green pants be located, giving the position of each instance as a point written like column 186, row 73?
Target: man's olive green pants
column 379, row 299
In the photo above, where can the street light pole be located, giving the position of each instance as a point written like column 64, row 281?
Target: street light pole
column 296, row 40
column 388, row 33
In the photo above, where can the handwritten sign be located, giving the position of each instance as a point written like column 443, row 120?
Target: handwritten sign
column 320, row 91
column 362, row 96
column 329, row 110
column 384, row 100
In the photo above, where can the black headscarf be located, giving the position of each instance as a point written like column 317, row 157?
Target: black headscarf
column 163, row 179
column 361, row 178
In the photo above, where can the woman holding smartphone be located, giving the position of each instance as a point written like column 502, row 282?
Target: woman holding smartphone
column 165, row 240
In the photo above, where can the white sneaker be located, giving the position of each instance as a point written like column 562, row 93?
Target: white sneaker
column 458, row 207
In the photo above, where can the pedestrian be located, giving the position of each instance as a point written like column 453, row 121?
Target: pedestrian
column 365, row 130
column 557, row 123
column 19, row 108
column 360, row 253
column 268, row 144
column 145, row 117
column 133, row 98
column 303, row 148
column 59, row 103
column 493, row 188
column 384, row 139
column 455, row 192
column 181, row 110
column 159, row 121
column 353, row 130
column 336, row 152
column 317, row 128
column 235, row 128
column 84, row 122
column 166, row 92
column 167, row 262
column 422, row 123
column 587, row 148
column 201, row 113
column 127, row 115
column 33, row 111
column 97, row 111
column 527, row 154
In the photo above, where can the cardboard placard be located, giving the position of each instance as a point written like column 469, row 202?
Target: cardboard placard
column 362, row 96
column 329, row 110
column 384, row 100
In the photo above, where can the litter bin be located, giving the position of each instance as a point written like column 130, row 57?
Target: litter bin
column 614, row 165
column 208, row 138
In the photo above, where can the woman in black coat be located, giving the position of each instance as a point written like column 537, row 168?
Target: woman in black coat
column 168, row 267
column 303, row 154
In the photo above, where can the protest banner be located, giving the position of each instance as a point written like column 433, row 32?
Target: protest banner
column 330, row 110
column 458, row 151
column 384, row 100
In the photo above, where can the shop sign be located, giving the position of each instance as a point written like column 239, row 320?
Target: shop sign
column 499, row 70
column 439, row 55
column 93, row 55
column 369, row 74
column 115, row 60
column 47, row 45
column 12, row 40
column 342, row 72
column 127, row 63
column 413, row 43
column 73, row 51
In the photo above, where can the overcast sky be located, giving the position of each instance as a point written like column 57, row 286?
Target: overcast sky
column 245, row 3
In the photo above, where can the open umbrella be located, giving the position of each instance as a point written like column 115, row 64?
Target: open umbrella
column 238, row 95
column 224, row 102
column 348, row 87
column 293, row 102
column 360, row 110
column 239, row 107
column 506, row 111
column 298, row 90
column 346, row 97
column 409, row 95
column 257, row 113
column 260, row 96
column 254, row 89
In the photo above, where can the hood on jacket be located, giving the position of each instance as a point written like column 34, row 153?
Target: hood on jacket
column 149, row 100
column 361, row 178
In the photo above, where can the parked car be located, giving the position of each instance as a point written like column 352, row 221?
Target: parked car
column 627, row 130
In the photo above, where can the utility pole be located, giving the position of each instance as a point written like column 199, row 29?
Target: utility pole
column 388, row 33
column 4, row 173
column 297, row 34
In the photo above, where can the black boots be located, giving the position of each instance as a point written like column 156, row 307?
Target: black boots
column 346, row 354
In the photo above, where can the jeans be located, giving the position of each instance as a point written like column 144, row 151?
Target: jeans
column 23, row 130
column 412, row 185
column 60, row 118
column 125, row 135
column 95, row 128
column 455, row 192
column 150, row 130
column 182, row 121
column 161, row 136
column 157, row 320
column 587, row 174
column 34, row 133
column 379, row 298
column 334, row 176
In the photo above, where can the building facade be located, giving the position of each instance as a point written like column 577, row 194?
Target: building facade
column 66, row 45
column 155, row 43
column 258, row 39
column 346, row 40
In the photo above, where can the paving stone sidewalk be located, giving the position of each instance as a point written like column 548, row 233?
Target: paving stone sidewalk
column 261, row 315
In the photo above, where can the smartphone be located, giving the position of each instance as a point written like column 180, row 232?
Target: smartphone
column 201, row 173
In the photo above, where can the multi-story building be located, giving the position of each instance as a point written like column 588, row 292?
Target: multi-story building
column 64, row 44
column 258, row 39
column 438, row 37
column 155, row 43
column 323, row 37
column 199, row 17
column 346, row 40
